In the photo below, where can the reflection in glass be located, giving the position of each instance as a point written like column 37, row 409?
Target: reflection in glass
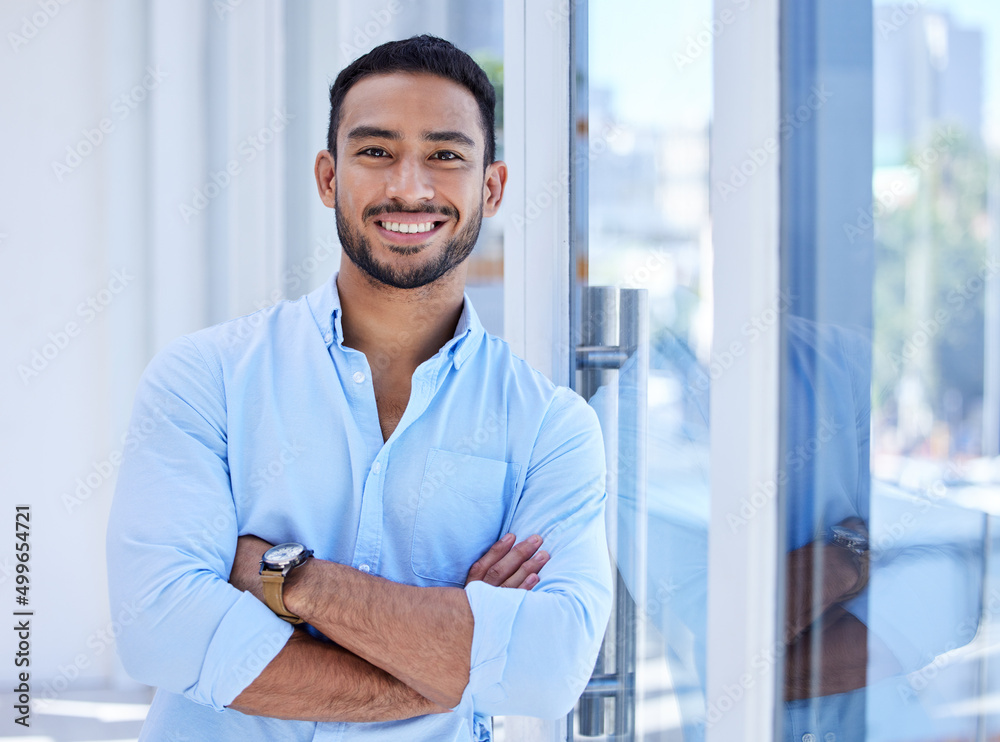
column 889, row 245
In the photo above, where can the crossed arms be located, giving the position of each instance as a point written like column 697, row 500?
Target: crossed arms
column 403, row 651
column 826, row 645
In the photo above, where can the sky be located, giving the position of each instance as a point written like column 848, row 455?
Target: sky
column 649, row 52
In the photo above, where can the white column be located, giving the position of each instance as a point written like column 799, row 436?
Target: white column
column 742, row 563
column 536, row 206
column 177, row 258
column 256, row 123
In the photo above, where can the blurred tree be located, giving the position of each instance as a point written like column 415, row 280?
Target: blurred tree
column 930, row 256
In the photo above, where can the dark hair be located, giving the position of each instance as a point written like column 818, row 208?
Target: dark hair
column 419, row 54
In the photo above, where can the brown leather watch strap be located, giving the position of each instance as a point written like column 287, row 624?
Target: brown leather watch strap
column 273, row 586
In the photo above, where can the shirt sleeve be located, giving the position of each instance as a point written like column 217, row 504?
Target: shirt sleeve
column 172, row 539
column 534, row 651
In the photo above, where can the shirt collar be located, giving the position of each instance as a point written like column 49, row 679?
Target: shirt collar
column 324, row 303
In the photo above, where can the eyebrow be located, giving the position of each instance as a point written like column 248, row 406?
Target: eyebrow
column 449, row 136
column 374, row 132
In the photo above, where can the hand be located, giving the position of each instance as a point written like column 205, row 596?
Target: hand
column 844, row 575
column 831, row 656
column 245, row 574
column 506, row 565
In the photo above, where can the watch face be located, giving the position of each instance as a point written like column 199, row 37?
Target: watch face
column 282, row 554
column 850, row 539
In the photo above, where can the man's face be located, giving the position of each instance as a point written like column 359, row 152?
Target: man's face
column 409, row 187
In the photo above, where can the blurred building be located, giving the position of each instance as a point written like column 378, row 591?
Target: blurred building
column 928, row 71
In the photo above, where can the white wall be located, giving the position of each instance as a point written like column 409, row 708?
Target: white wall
column 66, row 413
column 92, row 215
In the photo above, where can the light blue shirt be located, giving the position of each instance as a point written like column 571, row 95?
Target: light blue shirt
column 267, row 425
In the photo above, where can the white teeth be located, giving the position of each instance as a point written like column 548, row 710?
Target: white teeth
column 407, row 228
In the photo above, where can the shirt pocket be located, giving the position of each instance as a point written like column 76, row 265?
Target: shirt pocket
column 461, row 509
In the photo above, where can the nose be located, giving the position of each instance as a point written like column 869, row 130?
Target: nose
column 409, row 181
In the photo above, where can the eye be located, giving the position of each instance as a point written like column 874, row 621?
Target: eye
column 446, row 155
column 374, row 152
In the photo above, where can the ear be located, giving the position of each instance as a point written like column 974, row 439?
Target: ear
column 325, row 178
column 493, row 185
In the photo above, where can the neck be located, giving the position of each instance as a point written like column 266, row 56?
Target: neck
column 398, row 329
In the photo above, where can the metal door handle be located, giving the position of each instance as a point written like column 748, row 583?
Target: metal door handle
column 600, row 355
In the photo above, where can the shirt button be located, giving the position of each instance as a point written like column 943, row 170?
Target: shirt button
column 808, row 738
column 830, row 737
column 376, row 467
column 328, row 338
column 365, row 568
column 359, row 377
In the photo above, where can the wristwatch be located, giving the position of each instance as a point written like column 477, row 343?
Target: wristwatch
column 849, row 538
column 275, row 565
column 854, row 540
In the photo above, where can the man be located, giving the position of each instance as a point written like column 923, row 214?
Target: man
column 375, row 423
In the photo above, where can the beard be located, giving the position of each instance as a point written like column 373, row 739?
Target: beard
column 358, row 248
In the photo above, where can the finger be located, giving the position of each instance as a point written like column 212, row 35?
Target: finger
column 509, row 564
column 526, row 575
column 496, row 552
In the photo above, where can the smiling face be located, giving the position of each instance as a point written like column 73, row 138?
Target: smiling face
column 408, row 184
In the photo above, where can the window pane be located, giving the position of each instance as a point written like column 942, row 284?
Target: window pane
column 643, row 122
column 890, row 384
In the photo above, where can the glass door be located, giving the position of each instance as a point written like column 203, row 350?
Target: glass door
column 890, row 371
column 641, row 302
column 620, row 281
